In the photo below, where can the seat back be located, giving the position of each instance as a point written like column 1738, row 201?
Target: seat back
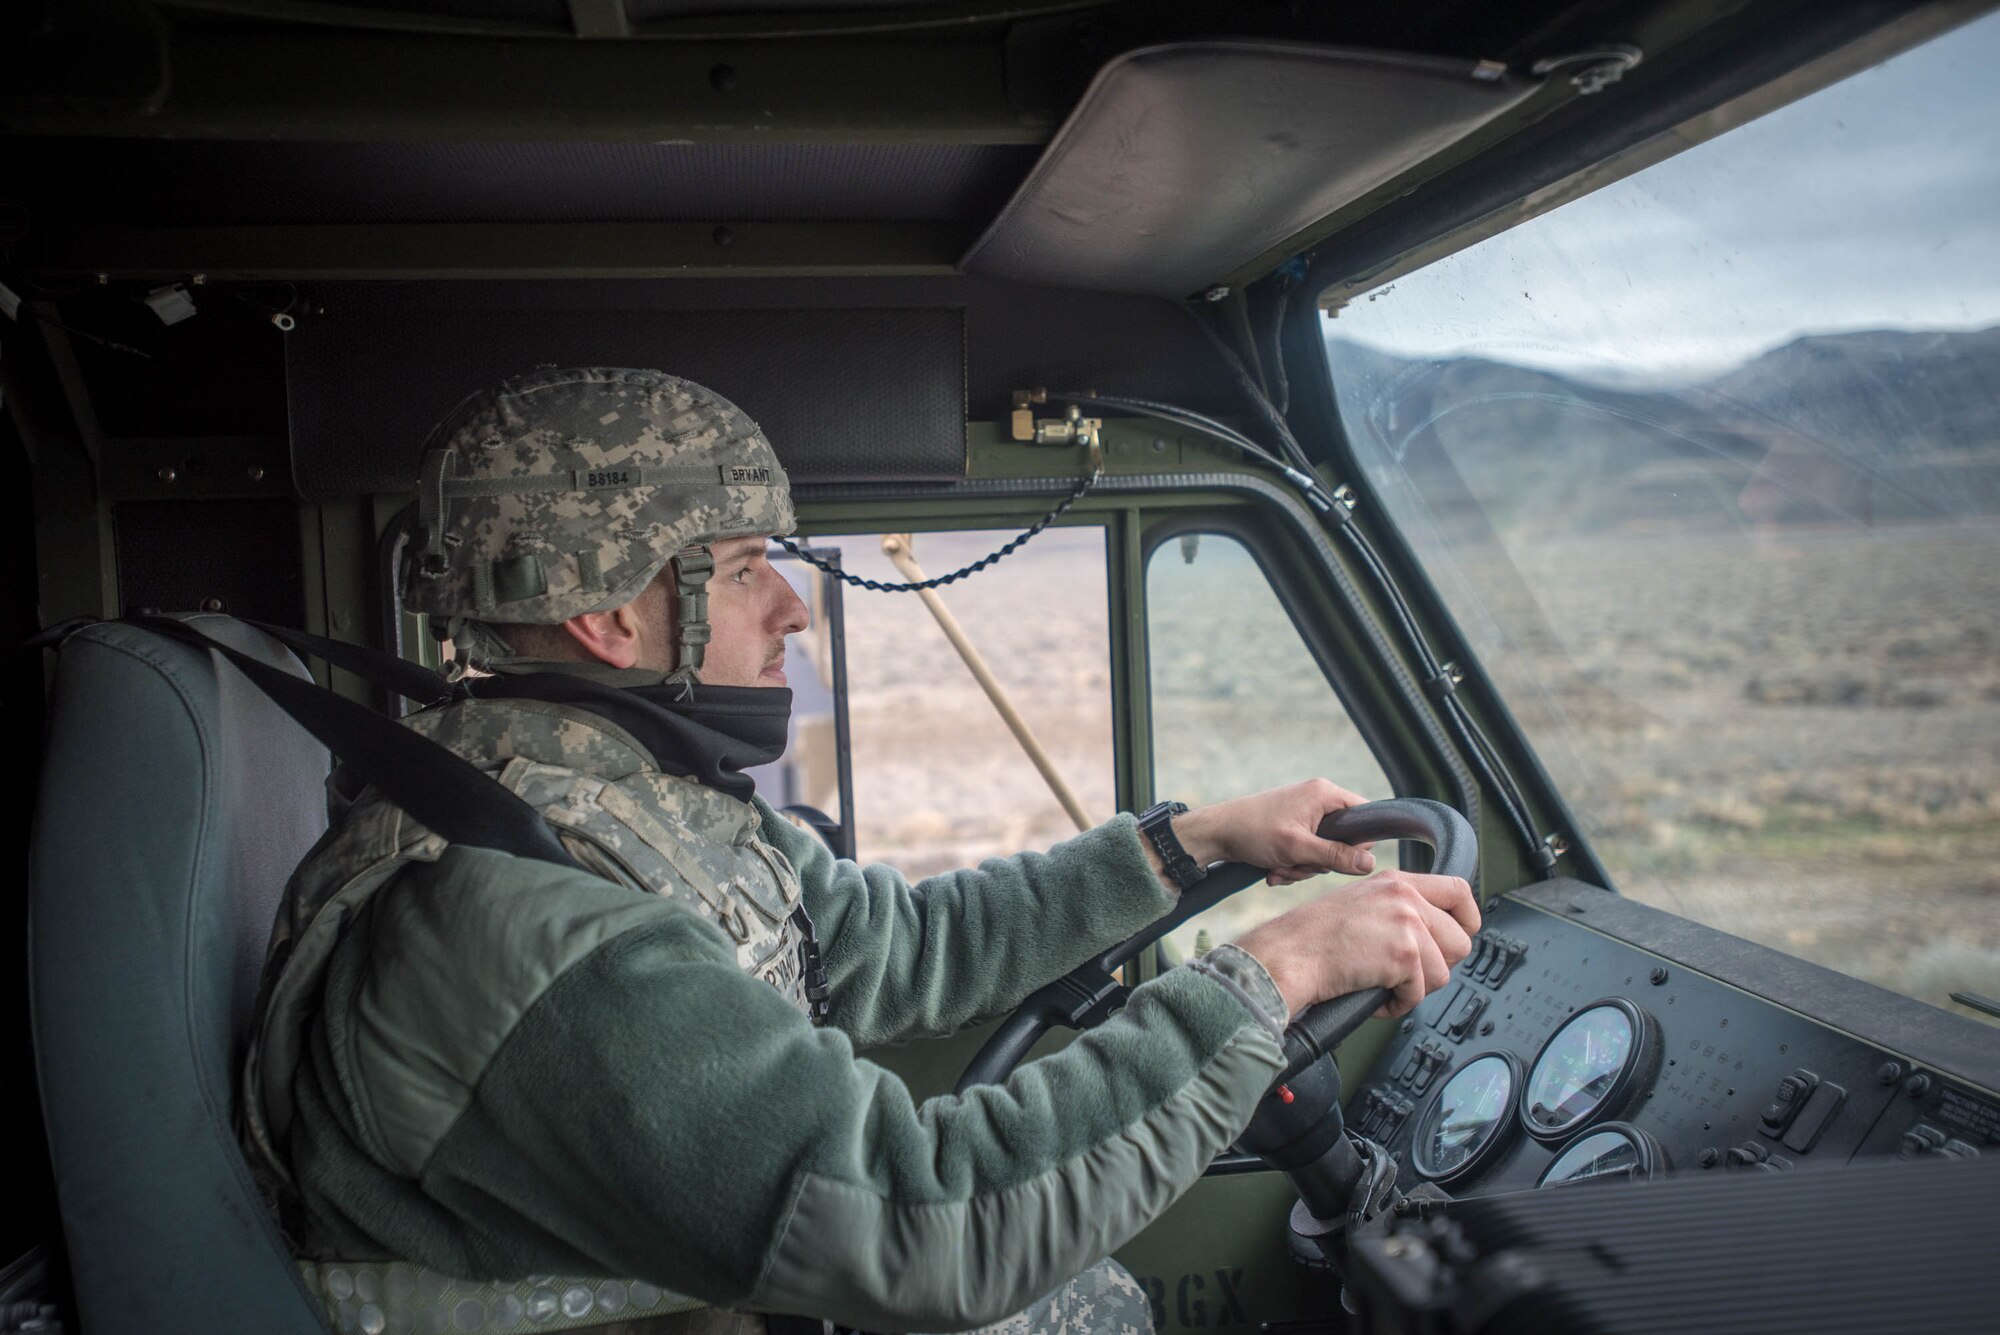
column 175, row 801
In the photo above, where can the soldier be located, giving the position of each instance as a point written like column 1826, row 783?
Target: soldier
column 475, row 1073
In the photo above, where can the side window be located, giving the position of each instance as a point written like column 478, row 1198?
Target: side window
column 1239, row 705
column 939, row 779
column 810, row 774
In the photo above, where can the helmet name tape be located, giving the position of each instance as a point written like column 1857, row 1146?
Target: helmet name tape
column 436, row 486
column 613, row 478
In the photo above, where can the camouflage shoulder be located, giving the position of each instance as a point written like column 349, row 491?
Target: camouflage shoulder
column 489, row 733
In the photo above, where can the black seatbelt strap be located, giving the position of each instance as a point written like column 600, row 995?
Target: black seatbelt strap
column 440, row 788
column 392, row 672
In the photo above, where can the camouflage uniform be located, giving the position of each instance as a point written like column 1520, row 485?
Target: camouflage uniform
column 407, row 976
column 1103, row 1300
column 619, row 818
column 656, row 834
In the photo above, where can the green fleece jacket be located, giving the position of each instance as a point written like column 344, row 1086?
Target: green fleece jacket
column 636, row 1104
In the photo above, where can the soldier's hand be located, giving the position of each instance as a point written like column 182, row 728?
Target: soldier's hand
column 1277, row 830
column 1396, row 929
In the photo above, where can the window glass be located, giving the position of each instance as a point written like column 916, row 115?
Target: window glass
column 808, row 773
column 1239, row 705
column 939, row 781
column 1707, row 466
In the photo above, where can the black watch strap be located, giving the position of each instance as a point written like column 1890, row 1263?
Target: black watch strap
column 1156, row 823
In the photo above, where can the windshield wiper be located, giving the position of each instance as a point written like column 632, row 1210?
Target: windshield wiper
column 1978, row 1003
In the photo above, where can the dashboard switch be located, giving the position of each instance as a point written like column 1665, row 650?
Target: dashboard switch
column 1920, row 1140
column 1370, row 1112
column 1749, row 1152
column 1506, row 954
column 1467, row 1015
column 1491, row 961
column 1394, row 1115
column 1457, row 990
column 1381, row 1116
column 1426, row 1060
column 1791, row 1095
column 1820, row 1106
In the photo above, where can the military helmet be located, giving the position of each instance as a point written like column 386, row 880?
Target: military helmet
column 562, row 492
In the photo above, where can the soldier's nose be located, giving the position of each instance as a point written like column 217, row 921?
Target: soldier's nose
column 795, row 615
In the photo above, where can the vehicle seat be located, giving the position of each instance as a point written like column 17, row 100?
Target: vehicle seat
column 175, row 801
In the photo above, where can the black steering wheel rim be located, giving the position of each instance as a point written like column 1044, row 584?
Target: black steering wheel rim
column 1091, row 992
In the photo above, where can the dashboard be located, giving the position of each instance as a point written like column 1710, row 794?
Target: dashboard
column 1589, row 1036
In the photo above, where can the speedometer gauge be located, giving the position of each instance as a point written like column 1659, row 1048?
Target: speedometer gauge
column 1469, row 1119
column 1590, row 1068
column 1614, row 1150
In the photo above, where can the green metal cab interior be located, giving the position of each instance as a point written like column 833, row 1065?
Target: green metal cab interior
column 972, row 263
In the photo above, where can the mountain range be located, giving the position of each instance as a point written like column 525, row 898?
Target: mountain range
column 1874, row 426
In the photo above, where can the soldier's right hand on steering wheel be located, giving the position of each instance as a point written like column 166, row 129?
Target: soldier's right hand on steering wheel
column 1396, row 929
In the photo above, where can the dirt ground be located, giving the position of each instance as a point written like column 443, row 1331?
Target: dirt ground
column 1794, row 738
column 1798, row 742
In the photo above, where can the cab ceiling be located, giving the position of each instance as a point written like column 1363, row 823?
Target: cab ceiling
column 504, row 139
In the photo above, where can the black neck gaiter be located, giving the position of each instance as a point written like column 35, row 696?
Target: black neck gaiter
column 711, row 736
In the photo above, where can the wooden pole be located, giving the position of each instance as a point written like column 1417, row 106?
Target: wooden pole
column 896, row 546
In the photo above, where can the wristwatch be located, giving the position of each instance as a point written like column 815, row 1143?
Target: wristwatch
column 1156, row 822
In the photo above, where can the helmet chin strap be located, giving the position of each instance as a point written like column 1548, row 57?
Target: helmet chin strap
column 474, row 645
column 692, row 566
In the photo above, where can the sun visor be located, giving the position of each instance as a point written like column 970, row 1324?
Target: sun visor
column 368, row 373
column 1183, row 162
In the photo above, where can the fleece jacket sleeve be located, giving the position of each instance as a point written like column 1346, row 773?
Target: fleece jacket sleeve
column 657, row 1114
column 917, row 961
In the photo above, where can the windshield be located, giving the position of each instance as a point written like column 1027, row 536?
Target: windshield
column 1707, row 467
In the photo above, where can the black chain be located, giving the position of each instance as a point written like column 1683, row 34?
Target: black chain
column 1009, row 549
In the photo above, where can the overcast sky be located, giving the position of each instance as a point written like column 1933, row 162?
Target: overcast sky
column 1872, row 204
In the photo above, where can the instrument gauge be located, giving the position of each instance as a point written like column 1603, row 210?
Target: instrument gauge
column 1613, row 1150
column 1590, row 1068
column 1469, row 1119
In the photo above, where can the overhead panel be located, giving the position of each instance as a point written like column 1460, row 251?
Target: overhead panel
column 1183, row 162
column 368, row 375
column 246, row 183
column 313, row 211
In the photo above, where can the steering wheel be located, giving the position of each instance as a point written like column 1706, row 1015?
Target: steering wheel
column 1089, row 993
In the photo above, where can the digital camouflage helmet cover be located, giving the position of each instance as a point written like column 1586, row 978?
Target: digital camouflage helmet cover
column 562, row 492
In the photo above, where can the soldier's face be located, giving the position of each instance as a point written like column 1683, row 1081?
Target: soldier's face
column 751, row 609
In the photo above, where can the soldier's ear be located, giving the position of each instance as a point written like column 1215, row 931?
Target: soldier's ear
column 613, row 637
